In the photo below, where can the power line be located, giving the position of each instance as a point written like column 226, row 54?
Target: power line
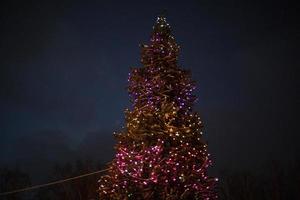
column 51, row 183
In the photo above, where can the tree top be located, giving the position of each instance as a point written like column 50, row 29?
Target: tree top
column 161, row 25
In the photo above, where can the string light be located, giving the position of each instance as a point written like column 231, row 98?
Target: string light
column 162, row 143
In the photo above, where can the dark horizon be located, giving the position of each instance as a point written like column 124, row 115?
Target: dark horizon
column 64, row 69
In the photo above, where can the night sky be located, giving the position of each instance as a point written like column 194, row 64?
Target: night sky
column 64, row 68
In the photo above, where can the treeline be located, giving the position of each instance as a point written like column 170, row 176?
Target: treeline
column 80, row 189
column 272, row 182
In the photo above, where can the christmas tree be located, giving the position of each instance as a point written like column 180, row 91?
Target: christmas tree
column 160, row 154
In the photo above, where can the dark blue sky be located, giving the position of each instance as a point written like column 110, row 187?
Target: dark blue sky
column 64, row 68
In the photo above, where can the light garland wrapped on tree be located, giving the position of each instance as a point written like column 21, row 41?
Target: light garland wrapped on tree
column 160, row 154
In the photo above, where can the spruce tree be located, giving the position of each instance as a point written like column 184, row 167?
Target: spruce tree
column 160, row 154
